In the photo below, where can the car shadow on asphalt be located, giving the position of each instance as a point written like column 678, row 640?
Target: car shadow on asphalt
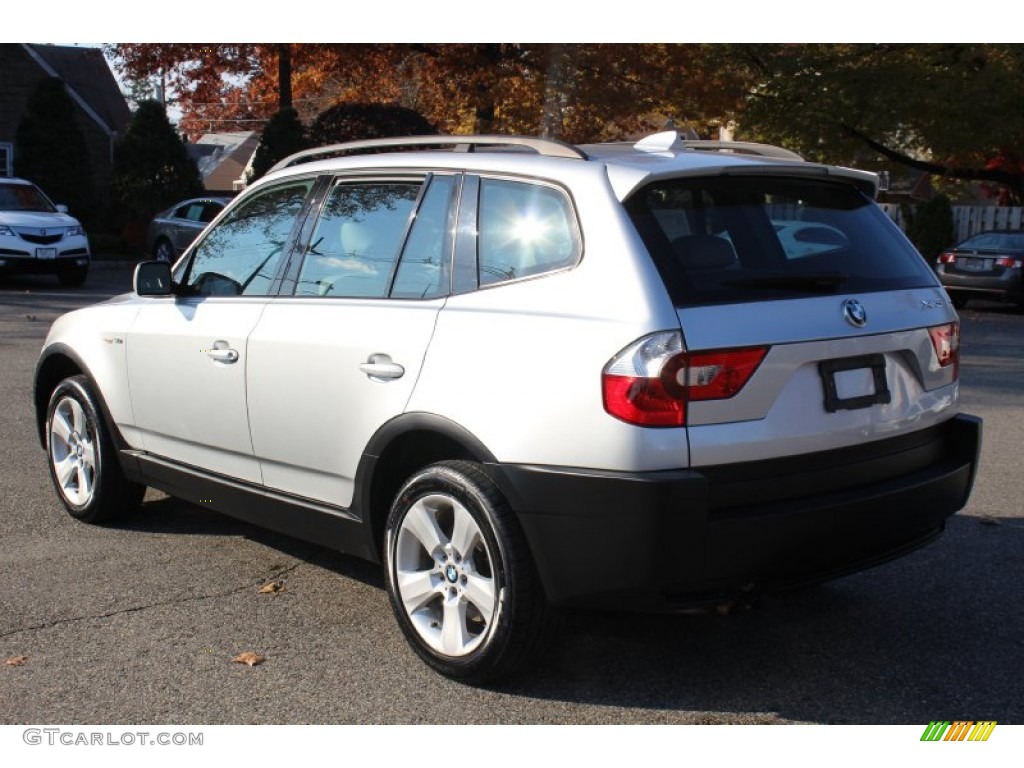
column 170, row 516
column 938, row 634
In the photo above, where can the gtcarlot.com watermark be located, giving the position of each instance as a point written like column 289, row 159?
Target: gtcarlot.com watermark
column 73, row 737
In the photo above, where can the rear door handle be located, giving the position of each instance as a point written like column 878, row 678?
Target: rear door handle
column 222, row 353
column 381, row 367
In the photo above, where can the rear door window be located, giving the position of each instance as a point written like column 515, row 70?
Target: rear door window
column 357, row 240
column 733, row 239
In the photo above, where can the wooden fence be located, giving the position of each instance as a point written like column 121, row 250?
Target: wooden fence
column 970, row 219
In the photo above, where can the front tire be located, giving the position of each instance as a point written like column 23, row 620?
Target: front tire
column 82, row 461
column 459, row 575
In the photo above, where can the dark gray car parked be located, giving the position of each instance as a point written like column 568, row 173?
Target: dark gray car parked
column 988, row 265
column 173, row 230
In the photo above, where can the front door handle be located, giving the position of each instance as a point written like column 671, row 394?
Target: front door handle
column 381, row 367
column 222, row 353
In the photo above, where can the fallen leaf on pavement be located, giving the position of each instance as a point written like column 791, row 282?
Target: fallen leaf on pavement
column 250, row 658
column 16, row 661
column 272, row 587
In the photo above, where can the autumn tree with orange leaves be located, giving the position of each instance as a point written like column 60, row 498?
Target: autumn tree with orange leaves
column 952, row 110
column 578, row 92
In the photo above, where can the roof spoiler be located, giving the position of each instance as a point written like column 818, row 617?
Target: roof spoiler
column 670, row 141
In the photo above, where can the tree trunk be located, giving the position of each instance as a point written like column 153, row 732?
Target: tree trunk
column 284, row 75
column 489, row 57
column 555, row 93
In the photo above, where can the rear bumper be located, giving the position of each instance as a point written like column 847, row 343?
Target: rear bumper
column 671, row 539
column 1008, row 286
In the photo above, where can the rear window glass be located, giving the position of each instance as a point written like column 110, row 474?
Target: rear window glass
column 733, row 239
column 995, row 240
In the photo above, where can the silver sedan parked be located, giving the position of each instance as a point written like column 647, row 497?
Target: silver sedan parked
column 173, row 230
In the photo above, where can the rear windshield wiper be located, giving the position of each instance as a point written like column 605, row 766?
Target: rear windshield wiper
column 816, row 282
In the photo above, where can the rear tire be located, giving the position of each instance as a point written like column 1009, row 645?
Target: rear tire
column 81, row 456
column 460, row 577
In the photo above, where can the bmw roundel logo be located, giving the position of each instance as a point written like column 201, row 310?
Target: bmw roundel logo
column 854, row 313
column 451, row 574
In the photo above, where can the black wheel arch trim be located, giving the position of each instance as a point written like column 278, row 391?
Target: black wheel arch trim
column 425, row 422
column 41, row 399
column 392, row 431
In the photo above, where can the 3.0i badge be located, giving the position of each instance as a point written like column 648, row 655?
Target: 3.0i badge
column 854, row 313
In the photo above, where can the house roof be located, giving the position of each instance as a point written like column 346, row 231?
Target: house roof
column 223, row 157
column 85, row 72
column 212, row 149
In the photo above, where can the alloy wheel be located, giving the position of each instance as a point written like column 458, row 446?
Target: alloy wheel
column 73, row 451
column 445, row 575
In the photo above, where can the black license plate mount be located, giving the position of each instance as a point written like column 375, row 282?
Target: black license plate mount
column 854, row 382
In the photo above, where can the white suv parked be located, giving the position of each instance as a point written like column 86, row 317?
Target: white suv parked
column 524, row 375
column 38, row 237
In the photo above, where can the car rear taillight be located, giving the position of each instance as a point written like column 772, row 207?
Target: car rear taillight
column 946, row 258
column 946, row 341
column 650, row 382
column 722, row 373
column 1009, row 262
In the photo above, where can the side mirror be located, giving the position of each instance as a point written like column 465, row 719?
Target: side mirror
column 152, row 278
column 61, row 208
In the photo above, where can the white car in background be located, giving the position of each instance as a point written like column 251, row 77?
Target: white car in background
column 38, row 237
column 524, row 375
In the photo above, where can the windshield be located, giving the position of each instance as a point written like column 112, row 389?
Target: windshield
column 733, row 239
column 23, row 197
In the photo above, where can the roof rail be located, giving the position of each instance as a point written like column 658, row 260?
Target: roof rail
column 547, row 147
column 669, row 141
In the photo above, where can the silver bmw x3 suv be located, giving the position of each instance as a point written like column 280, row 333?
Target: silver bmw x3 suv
column 525, row 375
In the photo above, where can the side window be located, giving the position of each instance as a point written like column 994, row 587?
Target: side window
column 194, row 212
column 524, row 229
column 210, row 211
column 356, row 243
column 240, row 256
column 422, row 272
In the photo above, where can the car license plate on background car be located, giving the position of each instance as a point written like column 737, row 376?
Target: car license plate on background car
column 972, row 265
column 46, row 253
column 854, row 382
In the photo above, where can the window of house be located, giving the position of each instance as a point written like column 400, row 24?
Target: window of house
column 6, row 159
